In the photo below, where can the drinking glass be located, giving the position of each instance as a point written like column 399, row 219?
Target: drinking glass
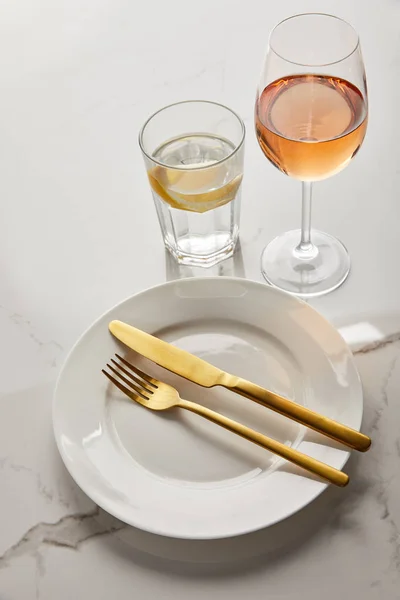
column 310, row 117
column 193, row 152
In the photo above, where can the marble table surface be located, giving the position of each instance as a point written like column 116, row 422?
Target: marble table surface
column 78, row 233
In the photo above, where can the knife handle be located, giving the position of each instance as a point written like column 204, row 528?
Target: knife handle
column 341, row 433
column 294, row 456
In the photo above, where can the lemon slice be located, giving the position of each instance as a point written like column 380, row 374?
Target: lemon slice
column 189, row 189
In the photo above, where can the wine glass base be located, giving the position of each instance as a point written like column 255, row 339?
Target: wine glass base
column 284, row 268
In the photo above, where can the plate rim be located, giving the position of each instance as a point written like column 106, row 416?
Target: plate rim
column 97, row 497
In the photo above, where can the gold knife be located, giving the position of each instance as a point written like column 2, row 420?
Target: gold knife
column 203, row 373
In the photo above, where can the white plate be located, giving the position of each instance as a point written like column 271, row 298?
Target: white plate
column 175, row 473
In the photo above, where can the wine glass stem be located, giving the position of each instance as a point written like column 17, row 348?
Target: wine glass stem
column 306, row 249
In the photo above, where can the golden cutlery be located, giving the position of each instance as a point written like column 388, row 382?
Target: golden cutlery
column 203, row 373
column 156, row 395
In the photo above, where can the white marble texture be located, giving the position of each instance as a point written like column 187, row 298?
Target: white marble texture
column 78, row 233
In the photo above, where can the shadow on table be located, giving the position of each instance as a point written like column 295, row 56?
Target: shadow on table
column 231, row 267
column 247, row 553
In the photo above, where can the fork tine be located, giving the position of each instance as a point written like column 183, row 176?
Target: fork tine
column 138, row 390
column 123, row 389
column 147, row 378
column 141, row 383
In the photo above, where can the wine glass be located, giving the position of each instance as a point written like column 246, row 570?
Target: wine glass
column 311, row 116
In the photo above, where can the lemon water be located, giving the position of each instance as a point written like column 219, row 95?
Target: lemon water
column 196, row 181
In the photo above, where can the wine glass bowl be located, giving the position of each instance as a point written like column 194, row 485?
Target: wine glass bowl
column 311, row 116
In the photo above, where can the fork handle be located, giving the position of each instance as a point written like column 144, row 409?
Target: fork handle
column 294, row 456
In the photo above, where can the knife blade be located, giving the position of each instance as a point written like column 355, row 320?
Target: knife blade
column 166, row 355
column 203, row 373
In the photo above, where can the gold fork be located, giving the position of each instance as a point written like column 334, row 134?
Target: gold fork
column 156, row 395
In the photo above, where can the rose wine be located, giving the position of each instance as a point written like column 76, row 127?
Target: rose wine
column 310, row 126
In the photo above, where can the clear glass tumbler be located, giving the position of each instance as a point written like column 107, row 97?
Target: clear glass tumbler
column 193, row 152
